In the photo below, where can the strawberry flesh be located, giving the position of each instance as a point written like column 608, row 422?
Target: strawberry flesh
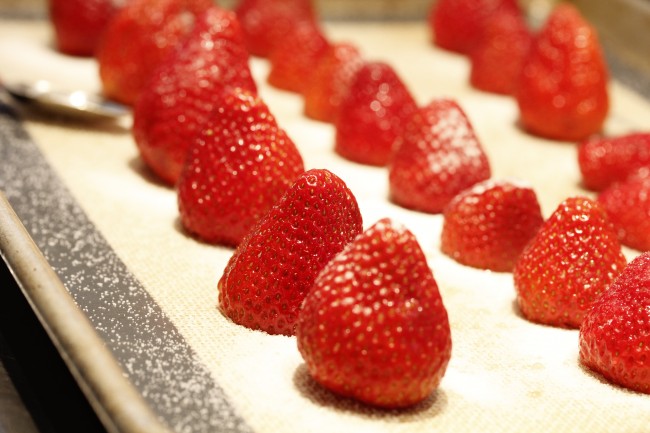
column 186, row 90
column 562, row 92
column 458, row 25
column 138, row 38
column 438, row 156
column 330, row 82
column 235, row 170
column 498, row 57
column 489, row 225
column 605, row 160
column 627, row 204
column 372, row 115
column 79, row 24
column 615, row 334
column 573, row 258
column 374, row 327
column 270, row 273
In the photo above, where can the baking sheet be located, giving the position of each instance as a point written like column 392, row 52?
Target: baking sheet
column 111, row 233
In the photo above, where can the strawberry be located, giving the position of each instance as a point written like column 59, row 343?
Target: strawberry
column 497, row 58
column 458, row 25
column 374, row 327
column 330, row 81
column 267, row 22
column 573, row 258
column 372, row 115
column 186, row 89
column 562, row 91
column 296, row 56
column 615, row 334
column 235, row 170
column 488, row 225
column 605, row 160
column 79, row 24
column 437, row 157
column 273, row 269
column 138, row 38
column 627, row 204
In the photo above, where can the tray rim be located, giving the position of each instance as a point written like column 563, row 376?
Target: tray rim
column 115, row 400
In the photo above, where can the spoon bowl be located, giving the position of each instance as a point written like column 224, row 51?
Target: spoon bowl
column 77, row 103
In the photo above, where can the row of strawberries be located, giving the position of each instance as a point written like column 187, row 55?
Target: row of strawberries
column 365, row 307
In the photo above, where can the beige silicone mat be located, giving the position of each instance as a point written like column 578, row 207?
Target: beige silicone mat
column 505, row 375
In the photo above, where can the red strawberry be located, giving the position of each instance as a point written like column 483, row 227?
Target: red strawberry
column 562, row 92
column 237, row 168
column 296, row 56
column 627, row 204
column 372, row 115
column 615, row 334
column 488, row 225
column 79, row 24
column 138, row 38
column 186, row 89
column 573, row 258
column 604, row 161
column 330, row 81
column 268, row 277
column 498, row 56
column 374, row 326
column 438, row 156
column 458, row 25
column 267, row 22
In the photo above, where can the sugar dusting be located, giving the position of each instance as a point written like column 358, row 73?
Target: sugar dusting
column 155, row 356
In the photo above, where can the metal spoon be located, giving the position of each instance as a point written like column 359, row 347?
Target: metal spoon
column 78, row 103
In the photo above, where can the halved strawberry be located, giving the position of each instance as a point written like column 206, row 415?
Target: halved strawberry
column 615, row 334
column 627, row 204
column 273, row 269
column 605, row 160
column 573, row 258
column 79, row 24
column 498, row 57
column 374, row 327
column 372, row 115
column 562, row 93
column 488, row 225
column 236, row 170
column 457, row 25
column 438, row 156
column 138, row 38
column 267, row 22
column 330, row 82
column 296, row 56
column 186, row 90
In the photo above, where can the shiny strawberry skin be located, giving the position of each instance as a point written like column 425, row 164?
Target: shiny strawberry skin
column 296, row 56
column 186, row 89
column 615, row 334
column 562, row 93
column 138, row 38
column 498, row 57
column 330, row 82
column 273, row 269
column 457, row 25
column 79, row 24
column 488, row 225
column 372, row 115
column 374, row 326
column 627, row 204
column 236, row 170
column 605, row 160
column 438, row 156
column 573, row 258
column 266, row 22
